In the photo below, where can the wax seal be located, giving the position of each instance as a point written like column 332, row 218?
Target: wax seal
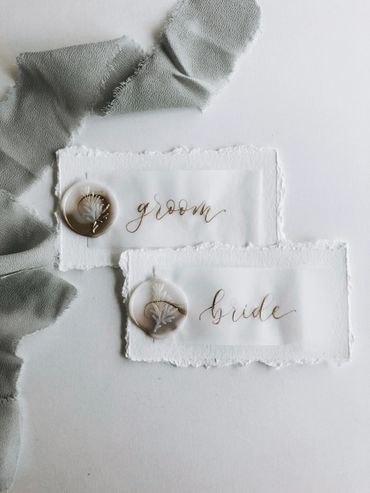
column 89, row 209
column 157, row 307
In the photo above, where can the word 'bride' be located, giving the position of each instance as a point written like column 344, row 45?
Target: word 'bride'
column 261, row 312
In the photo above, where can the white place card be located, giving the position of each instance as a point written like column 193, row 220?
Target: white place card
column 278, row 305
column 173, row 199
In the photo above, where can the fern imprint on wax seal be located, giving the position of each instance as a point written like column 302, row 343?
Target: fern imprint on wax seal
column 89, row 209
column 157, row 307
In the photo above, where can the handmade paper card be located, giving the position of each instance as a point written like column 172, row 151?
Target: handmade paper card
column 110, row 202
column 217, row 305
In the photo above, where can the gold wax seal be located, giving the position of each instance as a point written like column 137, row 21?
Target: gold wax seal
column 157, row 307
column 89, row 209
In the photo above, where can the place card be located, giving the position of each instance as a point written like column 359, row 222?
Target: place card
column 110, row 202
column 217, row 305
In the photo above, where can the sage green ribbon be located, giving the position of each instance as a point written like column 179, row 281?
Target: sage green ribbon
column 194, row 57
column 31, row 298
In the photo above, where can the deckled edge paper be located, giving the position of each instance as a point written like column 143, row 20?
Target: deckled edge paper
column 144, row 349
column 73, row 252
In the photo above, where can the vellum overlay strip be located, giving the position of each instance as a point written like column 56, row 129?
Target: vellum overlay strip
column 276, row 305
column 173, row 199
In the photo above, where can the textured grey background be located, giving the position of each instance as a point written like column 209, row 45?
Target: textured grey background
column 93, row 421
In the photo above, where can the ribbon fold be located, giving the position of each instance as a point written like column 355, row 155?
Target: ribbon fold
column 31, row 298
column 194, row 57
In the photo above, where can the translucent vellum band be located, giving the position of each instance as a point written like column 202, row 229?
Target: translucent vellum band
column 276, row 305
column 172, row 199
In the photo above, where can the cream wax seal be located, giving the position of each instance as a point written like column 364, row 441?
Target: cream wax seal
column 89, row 209
column 157, row 307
